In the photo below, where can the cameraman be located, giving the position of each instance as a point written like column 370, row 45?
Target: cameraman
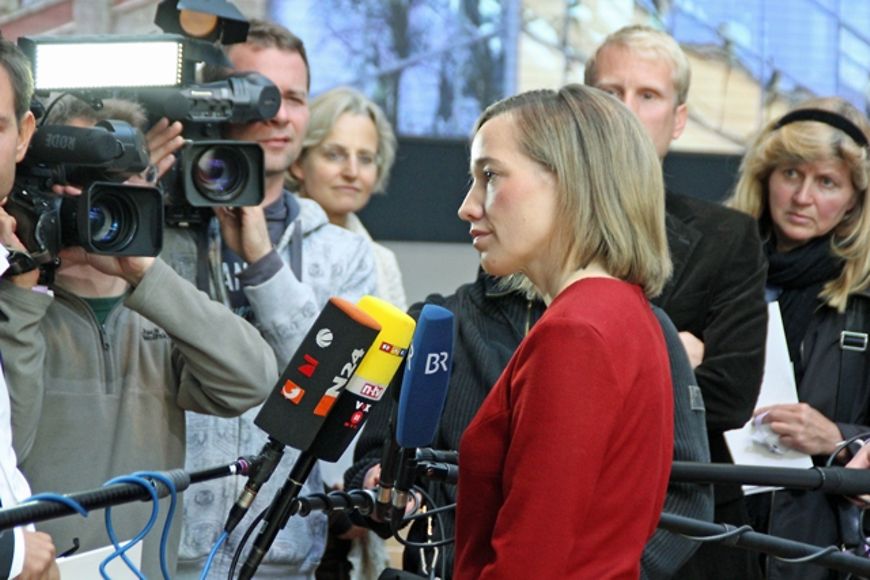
column 24, row 553
column 104, row 364
column 276, row 264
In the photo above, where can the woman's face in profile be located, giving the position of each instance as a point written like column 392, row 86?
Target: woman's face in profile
column 808, row 200
column 511, row 205
column 340, row 173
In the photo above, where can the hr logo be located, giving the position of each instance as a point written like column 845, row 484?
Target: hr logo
column 435, row 361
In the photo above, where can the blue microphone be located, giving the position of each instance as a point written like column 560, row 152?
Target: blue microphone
column 421, row 401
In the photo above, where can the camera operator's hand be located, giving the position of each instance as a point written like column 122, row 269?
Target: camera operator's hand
column 129, row 268
column 244, row 231
column 66, row 189
column 11, row 241
column 163, row 140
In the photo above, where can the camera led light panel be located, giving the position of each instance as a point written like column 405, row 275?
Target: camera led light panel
column 107, row 64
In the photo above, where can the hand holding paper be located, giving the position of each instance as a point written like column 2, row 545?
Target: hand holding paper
column 801, row 427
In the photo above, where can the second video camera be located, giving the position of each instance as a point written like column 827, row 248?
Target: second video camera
column 109, row 217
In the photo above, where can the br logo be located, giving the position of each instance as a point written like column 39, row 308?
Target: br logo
column 435, row 362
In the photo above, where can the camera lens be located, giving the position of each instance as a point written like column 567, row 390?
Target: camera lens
column 112, row 223
column 219, row 174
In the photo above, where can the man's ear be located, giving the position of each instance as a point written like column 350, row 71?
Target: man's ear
column 26, row 128
column 681, row 117
column 297, row 172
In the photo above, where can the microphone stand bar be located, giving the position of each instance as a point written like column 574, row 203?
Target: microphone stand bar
column 111, row 495
column 831, row 480
column 758, row 542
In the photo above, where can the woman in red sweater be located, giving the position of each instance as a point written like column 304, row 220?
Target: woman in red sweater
column 565, row 466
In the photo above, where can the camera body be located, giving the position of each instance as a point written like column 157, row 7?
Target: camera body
column 108, row 217
column 212, row 171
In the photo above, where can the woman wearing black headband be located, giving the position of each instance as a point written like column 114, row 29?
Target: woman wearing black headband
column 805, row 179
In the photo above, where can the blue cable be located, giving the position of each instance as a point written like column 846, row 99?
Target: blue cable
column 167, row 525
column 211, row 556
column 110, row 530
column 57, row 498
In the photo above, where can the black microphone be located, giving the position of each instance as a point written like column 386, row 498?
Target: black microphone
column 438, row 471
column 438, row 455
column 421, row 401
column 261, row 470
column 346, row 407
column 296, row 411
column 291, row 414
column 390, row 457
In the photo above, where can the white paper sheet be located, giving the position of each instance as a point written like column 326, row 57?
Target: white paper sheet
column 87, row 564
column 777, row 386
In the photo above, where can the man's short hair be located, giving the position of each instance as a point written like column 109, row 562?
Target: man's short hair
column 18, row 68
column 646, row 39
column 264, row 34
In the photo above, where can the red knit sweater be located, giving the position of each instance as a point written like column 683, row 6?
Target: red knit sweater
column 565, row 466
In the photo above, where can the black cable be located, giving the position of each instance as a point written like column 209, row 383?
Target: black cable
column 441, row 528
column 843, row 444
column 736, row 532
column 732, row 532
column 238, row 553
column 427, row 513
column 811, row 557
column 51, row 105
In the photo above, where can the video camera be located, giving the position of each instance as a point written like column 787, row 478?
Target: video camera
column 210, row 171
column 109, row 217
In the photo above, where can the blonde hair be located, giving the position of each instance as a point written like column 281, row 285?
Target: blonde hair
column 809, row 141
column 611, row 199
column 325, row 111
column 647, row 40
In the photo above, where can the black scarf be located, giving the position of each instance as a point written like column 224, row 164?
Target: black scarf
column 800, row 275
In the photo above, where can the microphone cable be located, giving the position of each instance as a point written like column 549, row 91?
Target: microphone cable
column 170, row 513
column 426, row 515
column 211, row 555
column 244, row 540
column 110, row 530
column 732, row 532
column 57, row 498
column 145, row 479
column 863, row 549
